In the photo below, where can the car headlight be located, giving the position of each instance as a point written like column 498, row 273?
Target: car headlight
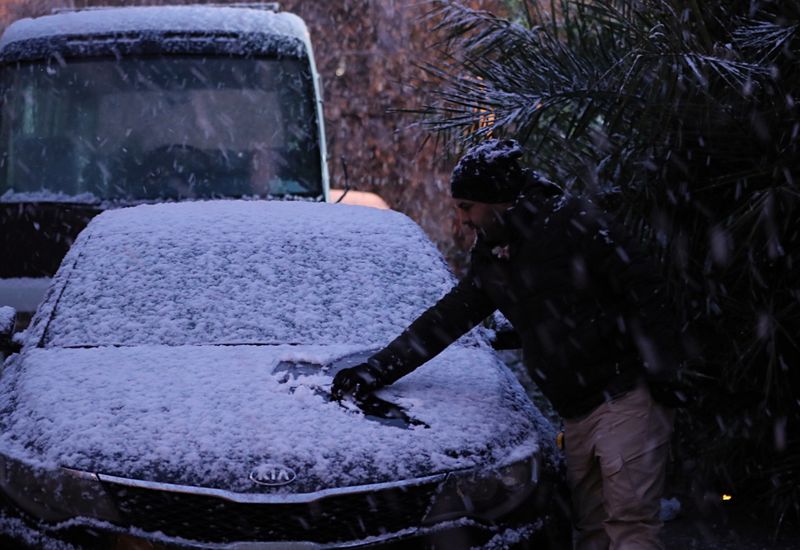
column 55, row 495
column 484, row 495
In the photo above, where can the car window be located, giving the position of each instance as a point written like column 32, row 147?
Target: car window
column 262, row 272
column 155, row 127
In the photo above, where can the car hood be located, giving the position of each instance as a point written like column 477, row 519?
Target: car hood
column 210, row 416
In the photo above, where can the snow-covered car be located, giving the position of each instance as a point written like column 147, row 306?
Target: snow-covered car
column 174, row 386
column 114, row 106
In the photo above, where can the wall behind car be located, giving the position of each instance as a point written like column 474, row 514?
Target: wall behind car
column 368, row 52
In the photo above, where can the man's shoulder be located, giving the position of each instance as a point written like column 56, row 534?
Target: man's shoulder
column 532, row 214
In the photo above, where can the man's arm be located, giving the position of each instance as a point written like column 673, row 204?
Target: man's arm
column 453, row 315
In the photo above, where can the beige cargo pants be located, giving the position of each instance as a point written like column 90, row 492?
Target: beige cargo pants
column 616, row 467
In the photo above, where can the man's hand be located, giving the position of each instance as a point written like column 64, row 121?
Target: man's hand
column 356, row 382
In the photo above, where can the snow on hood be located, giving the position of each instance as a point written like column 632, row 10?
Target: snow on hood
column 190, row 19
column 145, row 292
column 209, row 415
column 246, row 272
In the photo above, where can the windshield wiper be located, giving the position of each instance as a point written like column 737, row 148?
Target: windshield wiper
column 208, row 344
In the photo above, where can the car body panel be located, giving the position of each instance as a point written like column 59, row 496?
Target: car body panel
column 170, row 429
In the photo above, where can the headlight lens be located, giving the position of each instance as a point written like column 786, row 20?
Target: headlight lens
column 55, row 495
column 484, row 495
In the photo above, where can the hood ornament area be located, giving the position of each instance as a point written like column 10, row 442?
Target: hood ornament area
column 272, row 475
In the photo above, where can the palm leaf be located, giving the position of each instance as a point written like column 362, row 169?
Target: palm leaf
column 685, row 121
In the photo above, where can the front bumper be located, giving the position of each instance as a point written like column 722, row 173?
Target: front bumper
column 461, row 535
column 136, row 514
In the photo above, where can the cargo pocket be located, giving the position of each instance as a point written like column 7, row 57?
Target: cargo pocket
column 632, row 486
column 617, row 487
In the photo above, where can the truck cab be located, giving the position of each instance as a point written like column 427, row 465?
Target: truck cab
column 109, row 107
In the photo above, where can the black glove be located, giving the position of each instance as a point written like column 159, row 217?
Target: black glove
column 356, row 382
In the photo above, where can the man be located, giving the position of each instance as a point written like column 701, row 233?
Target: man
column 595, row 329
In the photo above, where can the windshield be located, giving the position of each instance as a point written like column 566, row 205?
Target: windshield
column 158, row 128
column 233, row 272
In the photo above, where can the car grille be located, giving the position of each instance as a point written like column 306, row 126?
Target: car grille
column 341, row 517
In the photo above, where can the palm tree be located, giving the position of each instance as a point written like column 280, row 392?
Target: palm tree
column 682, row 118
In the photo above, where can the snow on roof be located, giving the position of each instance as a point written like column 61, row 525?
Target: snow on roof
column 44, row 195
column 246, row 272
column 192, row 19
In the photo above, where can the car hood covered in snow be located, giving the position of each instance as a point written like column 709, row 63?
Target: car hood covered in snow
column 210, row 415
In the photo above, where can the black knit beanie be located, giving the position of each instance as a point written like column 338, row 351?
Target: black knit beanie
column 489, row 172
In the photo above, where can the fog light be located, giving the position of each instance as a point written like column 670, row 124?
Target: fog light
column 54, row 495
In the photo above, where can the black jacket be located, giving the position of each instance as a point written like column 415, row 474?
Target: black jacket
column 589, row 306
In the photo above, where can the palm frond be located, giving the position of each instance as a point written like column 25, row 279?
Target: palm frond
column 687, row 122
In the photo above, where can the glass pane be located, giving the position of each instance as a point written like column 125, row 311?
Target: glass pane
column 159, row 128
column 247, row 272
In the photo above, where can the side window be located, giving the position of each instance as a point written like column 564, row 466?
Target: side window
column 37, row 131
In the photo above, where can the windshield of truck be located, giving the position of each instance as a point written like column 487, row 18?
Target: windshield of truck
column 157, row 128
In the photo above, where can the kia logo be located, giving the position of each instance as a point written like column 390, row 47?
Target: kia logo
column 272, row 475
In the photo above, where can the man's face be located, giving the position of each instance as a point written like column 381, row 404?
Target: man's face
column 480, row 216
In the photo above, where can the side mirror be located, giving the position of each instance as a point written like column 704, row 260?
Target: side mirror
column 8, row 317
column 503, row 335
column 506, row 339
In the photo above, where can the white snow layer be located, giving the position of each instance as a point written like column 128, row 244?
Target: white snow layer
column 247, row 272
column 45, row 195
column 7, row 315
column 194, row 19
column 23, row 533
column 209, row 415
column 161, row 281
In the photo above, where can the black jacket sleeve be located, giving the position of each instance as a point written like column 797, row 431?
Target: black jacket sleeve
column 453, row 315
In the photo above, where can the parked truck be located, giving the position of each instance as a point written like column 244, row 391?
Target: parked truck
column 109, row 107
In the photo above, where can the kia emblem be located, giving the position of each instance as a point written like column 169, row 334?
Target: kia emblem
column 272, row 475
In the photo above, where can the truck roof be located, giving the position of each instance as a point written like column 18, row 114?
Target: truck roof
column 180, row 19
